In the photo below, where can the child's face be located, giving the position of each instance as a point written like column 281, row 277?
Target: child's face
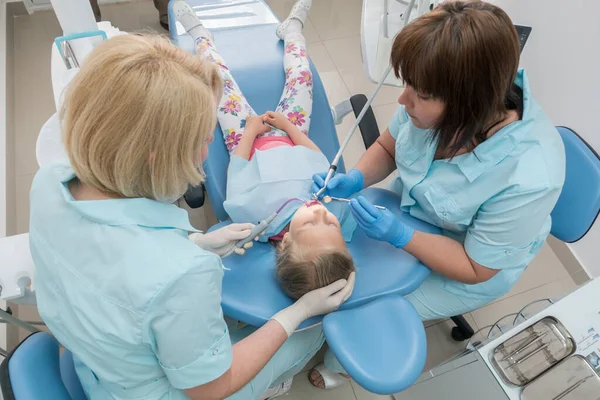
column 315, row 226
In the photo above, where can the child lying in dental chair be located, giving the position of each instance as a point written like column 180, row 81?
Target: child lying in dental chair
column 273, row 160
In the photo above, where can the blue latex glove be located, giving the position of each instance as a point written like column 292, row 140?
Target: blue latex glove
column 341, row 185
column 380, row 224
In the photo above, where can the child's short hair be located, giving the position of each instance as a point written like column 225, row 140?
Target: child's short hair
column 300, row 273
column 137, row 115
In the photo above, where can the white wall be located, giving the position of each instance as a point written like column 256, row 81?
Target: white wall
column 562, row 58
column 3, row 122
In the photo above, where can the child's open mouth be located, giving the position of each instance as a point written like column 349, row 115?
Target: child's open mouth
column 311, row 203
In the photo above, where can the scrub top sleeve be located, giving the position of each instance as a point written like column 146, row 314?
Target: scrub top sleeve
column 507, row 228
column 186, row 329
column 399, row 119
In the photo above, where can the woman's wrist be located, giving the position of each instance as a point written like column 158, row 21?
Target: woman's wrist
column 290, row 318
column 404, row 235
column 358, row 179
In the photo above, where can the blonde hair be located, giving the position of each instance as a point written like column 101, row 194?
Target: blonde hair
column 136, row 116
column 300, row 273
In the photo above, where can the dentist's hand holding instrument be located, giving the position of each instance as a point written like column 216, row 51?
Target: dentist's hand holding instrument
column 341, row 185
column 223, row 241
column 379, row 224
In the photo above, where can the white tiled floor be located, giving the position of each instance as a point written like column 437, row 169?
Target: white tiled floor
column 334, row 44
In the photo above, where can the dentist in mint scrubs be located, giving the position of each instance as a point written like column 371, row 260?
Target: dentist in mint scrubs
column 474, row 153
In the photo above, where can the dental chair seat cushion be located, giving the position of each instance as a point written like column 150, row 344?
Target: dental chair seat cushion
column 386, row 363
column 252, row 294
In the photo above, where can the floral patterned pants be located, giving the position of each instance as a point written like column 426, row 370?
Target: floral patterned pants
column 295, row 102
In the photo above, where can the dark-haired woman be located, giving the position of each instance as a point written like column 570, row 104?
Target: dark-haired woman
column 475, row 155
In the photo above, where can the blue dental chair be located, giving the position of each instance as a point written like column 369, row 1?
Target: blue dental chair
column 376, row 316
column 34, row 370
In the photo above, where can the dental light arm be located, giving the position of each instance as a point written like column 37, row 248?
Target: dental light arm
column 336, row 160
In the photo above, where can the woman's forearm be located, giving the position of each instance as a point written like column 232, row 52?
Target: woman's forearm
column 250, row 355
column 447, row 257
column 378, row 162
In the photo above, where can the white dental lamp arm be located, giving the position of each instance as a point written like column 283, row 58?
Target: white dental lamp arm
column 336, row 160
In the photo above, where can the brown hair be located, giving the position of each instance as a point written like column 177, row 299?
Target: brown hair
column 466, row 54
column 299, row 274
column 136, row 116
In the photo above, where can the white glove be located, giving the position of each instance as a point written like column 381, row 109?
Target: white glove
column 318, row 302
column 222, row 241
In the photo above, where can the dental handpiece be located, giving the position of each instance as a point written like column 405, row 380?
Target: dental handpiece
column 257, row 230
column 263, row 225
column 330, row 173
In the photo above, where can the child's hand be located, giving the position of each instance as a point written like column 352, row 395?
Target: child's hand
column 278, row 120
column 255, row 125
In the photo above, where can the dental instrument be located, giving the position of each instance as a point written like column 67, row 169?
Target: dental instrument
column 262, row 226
column 336, row 160
column 327, row 199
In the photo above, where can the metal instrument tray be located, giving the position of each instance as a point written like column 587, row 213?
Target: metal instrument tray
column 531, row 352
column 572, row 379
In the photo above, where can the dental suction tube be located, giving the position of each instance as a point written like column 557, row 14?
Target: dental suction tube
column 336, row 160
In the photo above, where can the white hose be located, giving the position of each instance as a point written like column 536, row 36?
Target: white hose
column 339, row 154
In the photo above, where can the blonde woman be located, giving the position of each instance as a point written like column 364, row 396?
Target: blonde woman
column 119, row 282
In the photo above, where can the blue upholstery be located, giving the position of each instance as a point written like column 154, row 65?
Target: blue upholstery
column 69, row 376
column 251, row 292
column 579, row 201
column 35, row 371
column 391, row 339
column 257, row 66
column 263, row 94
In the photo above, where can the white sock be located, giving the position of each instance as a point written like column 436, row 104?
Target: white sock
column 199, row 32
column 293, row 30
column 193, row 26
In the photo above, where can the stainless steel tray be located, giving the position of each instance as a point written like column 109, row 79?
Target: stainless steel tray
column 572, row 379
column 531, row 352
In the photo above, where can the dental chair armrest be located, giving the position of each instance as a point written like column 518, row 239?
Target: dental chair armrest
column 368, row 126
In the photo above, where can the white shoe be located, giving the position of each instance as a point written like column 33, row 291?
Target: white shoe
column 186, row 15
column 277, row 391
column 299, row 12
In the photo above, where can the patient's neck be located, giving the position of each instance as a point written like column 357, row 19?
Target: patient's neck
column 83, row 192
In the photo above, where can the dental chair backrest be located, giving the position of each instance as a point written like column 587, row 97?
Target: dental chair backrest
column 579, row 203
column 249, row 65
